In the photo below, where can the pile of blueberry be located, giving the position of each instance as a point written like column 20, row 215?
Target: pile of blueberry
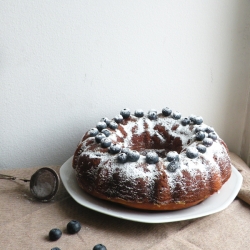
column 101, row 134
column 192, row 119
column 208, row 140
column 192, row 152
column 73, row 227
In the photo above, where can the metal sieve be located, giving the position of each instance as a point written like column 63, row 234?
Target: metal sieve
column 44, row 183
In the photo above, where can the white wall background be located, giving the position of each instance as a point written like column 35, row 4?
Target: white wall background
column 65, row 64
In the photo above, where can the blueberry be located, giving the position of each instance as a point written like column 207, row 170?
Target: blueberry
column 73, row 227
column 198, row 129
column 152, row 114
column 200, row 136
column 113, row 125
column 55, row 234
column 133, row 156
column 201, row 148
column 209, row 129
column 192, row 118
column 118, row 119
column 198, row 120
column 152, row 158
column 99, row 137
column 106, row 132
column 55, row 248
column 125, row 150
column 185, row 121
column 125, row 113
column 176, row 115
column 207, row 142
column 173, row 166
column 139, row 113
column 99, row 247
column 114, row 149
column 93, row 132
column 166, row 111
column 192, row 153
column 101, row 125
column 213, row 136
column 172, row 156
column 106, row 120
column 105, row 142
column 122, row 158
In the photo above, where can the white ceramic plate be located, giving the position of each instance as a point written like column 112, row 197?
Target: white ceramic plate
column 215, row 203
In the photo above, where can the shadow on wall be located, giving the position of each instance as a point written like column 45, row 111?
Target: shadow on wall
column 238, row 92
column 245, row 146
column 244, row 18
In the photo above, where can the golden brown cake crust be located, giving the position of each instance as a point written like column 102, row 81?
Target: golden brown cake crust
column 153, row 186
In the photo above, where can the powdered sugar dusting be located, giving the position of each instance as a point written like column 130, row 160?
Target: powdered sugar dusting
column 131, row 171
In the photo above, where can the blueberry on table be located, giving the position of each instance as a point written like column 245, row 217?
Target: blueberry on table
column 152, row 158
column 201, row 148
column 114, row 149
column 113, row 125
column 101, row 125
column 200, row 136
column 118, row 118
column 105, row 142
column 192, row 153
column 125, row 113
column 99, row 247
column 176, row 115
column 55, row 248
column 99, row 137
column 73, row 227
column 122, row 158
column 172, row 156
column 93, row 132
column 55, row 234
column 166, row 111
column 139, row 113
column 133, row 156
column 185, row 121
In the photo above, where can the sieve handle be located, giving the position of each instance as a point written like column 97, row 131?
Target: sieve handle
column 9, row 177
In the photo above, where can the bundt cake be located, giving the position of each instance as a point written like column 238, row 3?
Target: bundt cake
column 153, row 161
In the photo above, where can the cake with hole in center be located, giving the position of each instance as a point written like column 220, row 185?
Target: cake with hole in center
column 152, row 161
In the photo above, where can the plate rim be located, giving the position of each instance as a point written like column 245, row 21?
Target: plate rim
column 118, row 211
